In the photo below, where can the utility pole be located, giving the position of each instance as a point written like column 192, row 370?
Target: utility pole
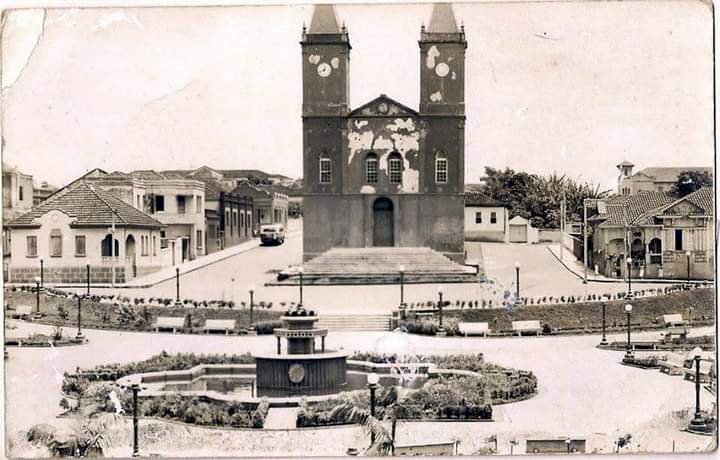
column 585, row 254
column 562, row 224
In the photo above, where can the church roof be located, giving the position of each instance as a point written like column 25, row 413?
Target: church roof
column 442, row 19
column 670, row 174
column 324, row 20
column 393, row 108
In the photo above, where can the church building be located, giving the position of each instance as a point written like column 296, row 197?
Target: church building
column 383, row 174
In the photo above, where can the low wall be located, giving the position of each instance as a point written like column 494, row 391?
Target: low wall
column 497, row 237
column 77, row 274
column 549, row 235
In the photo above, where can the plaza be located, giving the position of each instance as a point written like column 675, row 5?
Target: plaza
column 583, row 392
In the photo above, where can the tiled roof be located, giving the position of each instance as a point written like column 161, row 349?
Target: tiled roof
column 626, row 209
column 670, row 174
column 703, row 199
column 480, row 199
column 147, row 174
column 91, row 206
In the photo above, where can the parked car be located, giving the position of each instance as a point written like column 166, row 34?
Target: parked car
column 272, row 234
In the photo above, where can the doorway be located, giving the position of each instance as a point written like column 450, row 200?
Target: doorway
column 130, row 254
column 383, row 223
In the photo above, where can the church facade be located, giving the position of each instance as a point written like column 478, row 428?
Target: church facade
column 383, row 174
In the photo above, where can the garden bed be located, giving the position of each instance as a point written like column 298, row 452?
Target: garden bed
column 579, row 316
column 58, row 308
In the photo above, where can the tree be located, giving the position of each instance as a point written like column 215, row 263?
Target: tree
column 691, row 181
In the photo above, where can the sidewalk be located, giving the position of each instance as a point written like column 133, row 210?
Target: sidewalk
column 577, row 268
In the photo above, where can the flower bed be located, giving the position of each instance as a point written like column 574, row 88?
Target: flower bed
column 59, row 308
column 578, row 316
column 205, row 412
column 74, row 384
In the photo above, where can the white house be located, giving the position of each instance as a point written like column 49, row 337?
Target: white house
column 485, row 218
column 83, row 225
column 521, row 231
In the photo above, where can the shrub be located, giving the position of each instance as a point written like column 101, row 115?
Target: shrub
column 266, row 327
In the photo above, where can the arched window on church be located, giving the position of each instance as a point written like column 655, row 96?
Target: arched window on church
column 371, row 168
column 395, row 168
column 441, row 168
column 325, row 169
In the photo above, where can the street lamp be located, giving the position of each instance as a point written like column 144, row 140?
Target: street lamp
column 87, row 278
column 300, row 271
column 79, row 335
column 401, row 268
column 177, row 285
column 629, row 274
column 42, row 272
column 251, row 290
column 603, row 341
column 687, row 256
column 628, row 310
column 517, row 282
column 372, row 383
column 697, row 356
column 37, row 296
column 440, row 308
column 568, row 444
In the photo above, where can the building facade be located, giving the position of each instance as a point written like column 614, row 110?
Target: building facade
column 269, row 206
column 665, row 237
column 383, row 174
column 653, row 179
column 485, row 219
column 17, row 198
column 81, row 226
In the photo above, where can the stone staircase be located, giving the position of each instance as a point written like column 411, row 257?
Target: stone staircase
column 355, row 322
column 380, row 266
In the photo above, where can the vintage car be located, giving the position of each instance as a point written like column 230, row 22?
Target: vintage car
column 272, row 234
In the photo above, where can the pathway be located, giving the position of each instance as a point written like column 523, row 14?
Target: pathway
column 281, row 418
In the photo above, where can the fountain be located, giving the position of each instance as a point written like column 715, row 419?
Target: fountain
column 303, row 370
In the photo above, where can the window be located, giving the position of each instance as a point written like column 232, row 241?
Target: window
column 159, row 203
column 154, row 245
column 678, row 240
column 371, row 168
column 441, row 170
column 199, row 239
column 55, row 243
column 198, row 204
column 478, row 217
column 395, row 167
column 242, row 219
column 144, row 245
column 31, row 246
column 80, row 245
column 325, row 171
column 181, row 204
column 20, row 193
column 655, row 250
column 139, row 206
column 493, row 217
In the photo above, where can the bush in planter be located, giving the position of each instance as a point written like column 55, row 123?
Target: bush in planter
column 266, row 327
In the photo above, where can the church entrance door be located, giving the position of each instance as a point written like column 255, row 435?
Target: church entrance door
column 383, row 228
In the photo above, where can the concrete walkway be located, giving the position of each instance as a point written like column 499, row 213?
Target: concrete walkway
column 281, row 418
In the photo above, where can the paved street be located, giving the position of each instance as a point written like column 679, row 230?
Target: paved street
column 582, row 391
column 540, row 275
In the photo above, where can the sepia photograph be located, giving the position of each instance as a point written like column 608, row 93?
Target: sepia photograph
column 491, row 232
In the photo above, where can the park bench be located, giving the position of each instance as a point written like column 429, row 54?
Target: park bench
column 679, row 332
column 672, row 320
column 555, row 446
column 426, row 314
column 222, row 325
column 23, row 311
column 168, row 322
column 474, row 329
column 526, row 326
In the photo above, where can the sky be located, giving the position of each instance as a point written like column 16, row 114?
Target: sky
column 567, row 87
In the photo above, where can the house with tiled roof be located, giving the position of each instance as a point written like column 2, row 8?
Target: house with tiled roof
column 271, row 206
column 652, row 179
column 486, row 219
column 84, row 225
column 665, row 236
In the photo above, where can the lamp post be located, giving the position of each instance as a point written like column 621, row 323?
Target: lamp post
column 42, row 272
column 177, row 285
column 687, row 257
column 79, row 335
column 87, row 277
column 697, row 357
column 603, row 341
column 372, row 383
column 135, row 390
column 628, row 311
column 37, row 296
column 517, row 282
column 440, row 307
column 251, row 290
column 300, row 271
column 401, row 268
column 629, row 294
column 568, row 444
